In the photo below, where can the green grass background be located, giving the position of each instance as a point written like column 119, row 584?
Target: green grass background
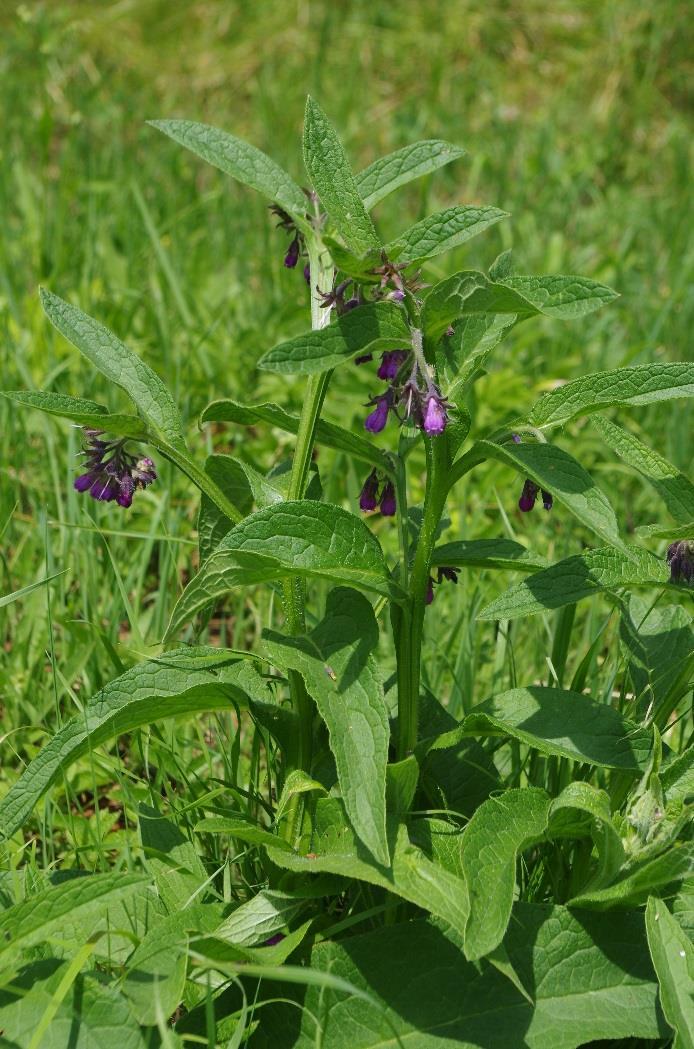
column 575, row 116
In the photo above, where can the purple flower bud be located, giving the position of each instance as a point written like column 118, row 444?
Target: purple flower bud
column 516, row 438
column 388, row 503
column 292, row 256
column 528, row 496
column 272, row 940
column 351, row 304
column 307, row 274
column 446, row 572
column 378, row 418
column 396, row 296
column 547, row 500
column 429, row 596
column 391, row 362
column 364, row 359
column 368, row 498
column 435, row 417
column 680, row 558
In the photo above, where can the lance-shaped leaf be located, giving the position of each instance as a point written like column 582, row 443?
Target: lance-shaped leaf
column 143, row 694
column 82, row 412
column 119, row 364
column 329, row 434
column 566, row 724
column 334, row 182
column 498, row 831
column 554, row 470
column 443, row 231
column 568, row 581
column 663, row 874
column 591, row 979
column 338, row 667
column 488, row 553
column 335, row 849
column 639, row 384
column 376, row 325
column 237, row 158
column 675, row 490
column 303, row 538
column 398, row 168
column 672, row 954
column 657, row 531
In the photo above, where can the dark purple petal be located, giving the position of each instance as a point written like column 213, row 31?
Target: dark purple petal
column 429, row 596
column 104, row 488
column 547, row 500
column 84, row 481
column 364, row 359
column 378, row 418
column 368, row 498
column 390, row 365
column 680, row 558
column 125, row 494
column 388, row 502
column 272, row 940
column 446, row 572
column 307, row 274
column 528, row 496
column 292, row 256
column 350, row 304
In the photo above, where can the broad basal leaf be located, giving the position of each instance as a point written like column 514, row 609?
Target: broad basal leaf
column 672, row 954
column 557, row 472
column 329, row 434
column 235, row 157
column 338, row 667
column 84, row 413
column 398, row 168
column 378, row 325
column 119, row 364
column 639, row 384
column 302, row 538
column 441, row 232
column 582, row 575
column 330, row 173
column 142, row 695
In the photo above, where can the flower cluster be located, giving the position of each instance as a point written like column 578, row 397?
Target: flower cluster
column 378, row 492
column 112, row 473
column 529, row 497
column 415, row 398
column 296, row 245
column 680, row 558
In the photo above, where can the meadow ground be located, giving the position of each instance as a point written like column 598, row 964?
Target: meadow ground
column 575, row 120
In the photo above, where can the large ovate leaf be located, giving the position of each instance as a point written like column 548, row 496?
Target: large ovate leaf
column 498, row 831
column 302, row 538
column 119, row 364
column 376, row 324
column 638, row 384
column 80, row 411
column 557, row 472
column 397, row 169
column 429, row 997
column 442, row 232
column 332, row 178
column 143, row 694
column 567, row 724
column 335, row 849
column 570, row 580
column 488, row 553
column 672, row 954
column 237, row 158
column 327, row 433
column 675, row 490
column 338, row 667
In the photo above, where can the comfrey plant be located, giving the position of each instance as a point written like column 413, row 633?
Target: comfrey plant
column 386, row 901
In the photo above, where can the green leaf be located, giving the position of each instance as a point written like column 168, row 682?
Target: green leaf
column 141, row 696
column 301, row 538
column 558, row 472
column 462, row 356
column 332, row 178
column 570, row 580
column 672, row 955
column 488, row 553
column 661, row 645
column 335, row 849
column 268, row 912
column 564, row 723
column 640, row 879
column 38, row 918
column 229, row 476
column 567, row 816
column 337, row 664
column 441, row 232
column 376, row 325
column 499, row 830
column 237, row 158
column 236, row 827
column 84, row 413
column 119, row 364
column 639, row 384
column 329, row 434
column 671, row 532
column 398, row 168
column 17, row 595
column 675, row 490
column 172, row 859
column 429, row 997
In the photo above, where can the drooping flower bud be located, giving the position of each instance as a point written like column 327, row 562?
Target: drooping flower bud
column 388, row 501
column 378, row 418
column 446, row 572
column 292, row 256
column 435, row 417
column 390, row 365
column 528, row 496
column 680, row 558
column 547, row 500
column 368, row 498
column 429, row 596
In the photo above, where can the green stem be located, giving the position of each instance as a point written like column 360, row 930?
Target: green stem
column 199, row 478
column 409, row 649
